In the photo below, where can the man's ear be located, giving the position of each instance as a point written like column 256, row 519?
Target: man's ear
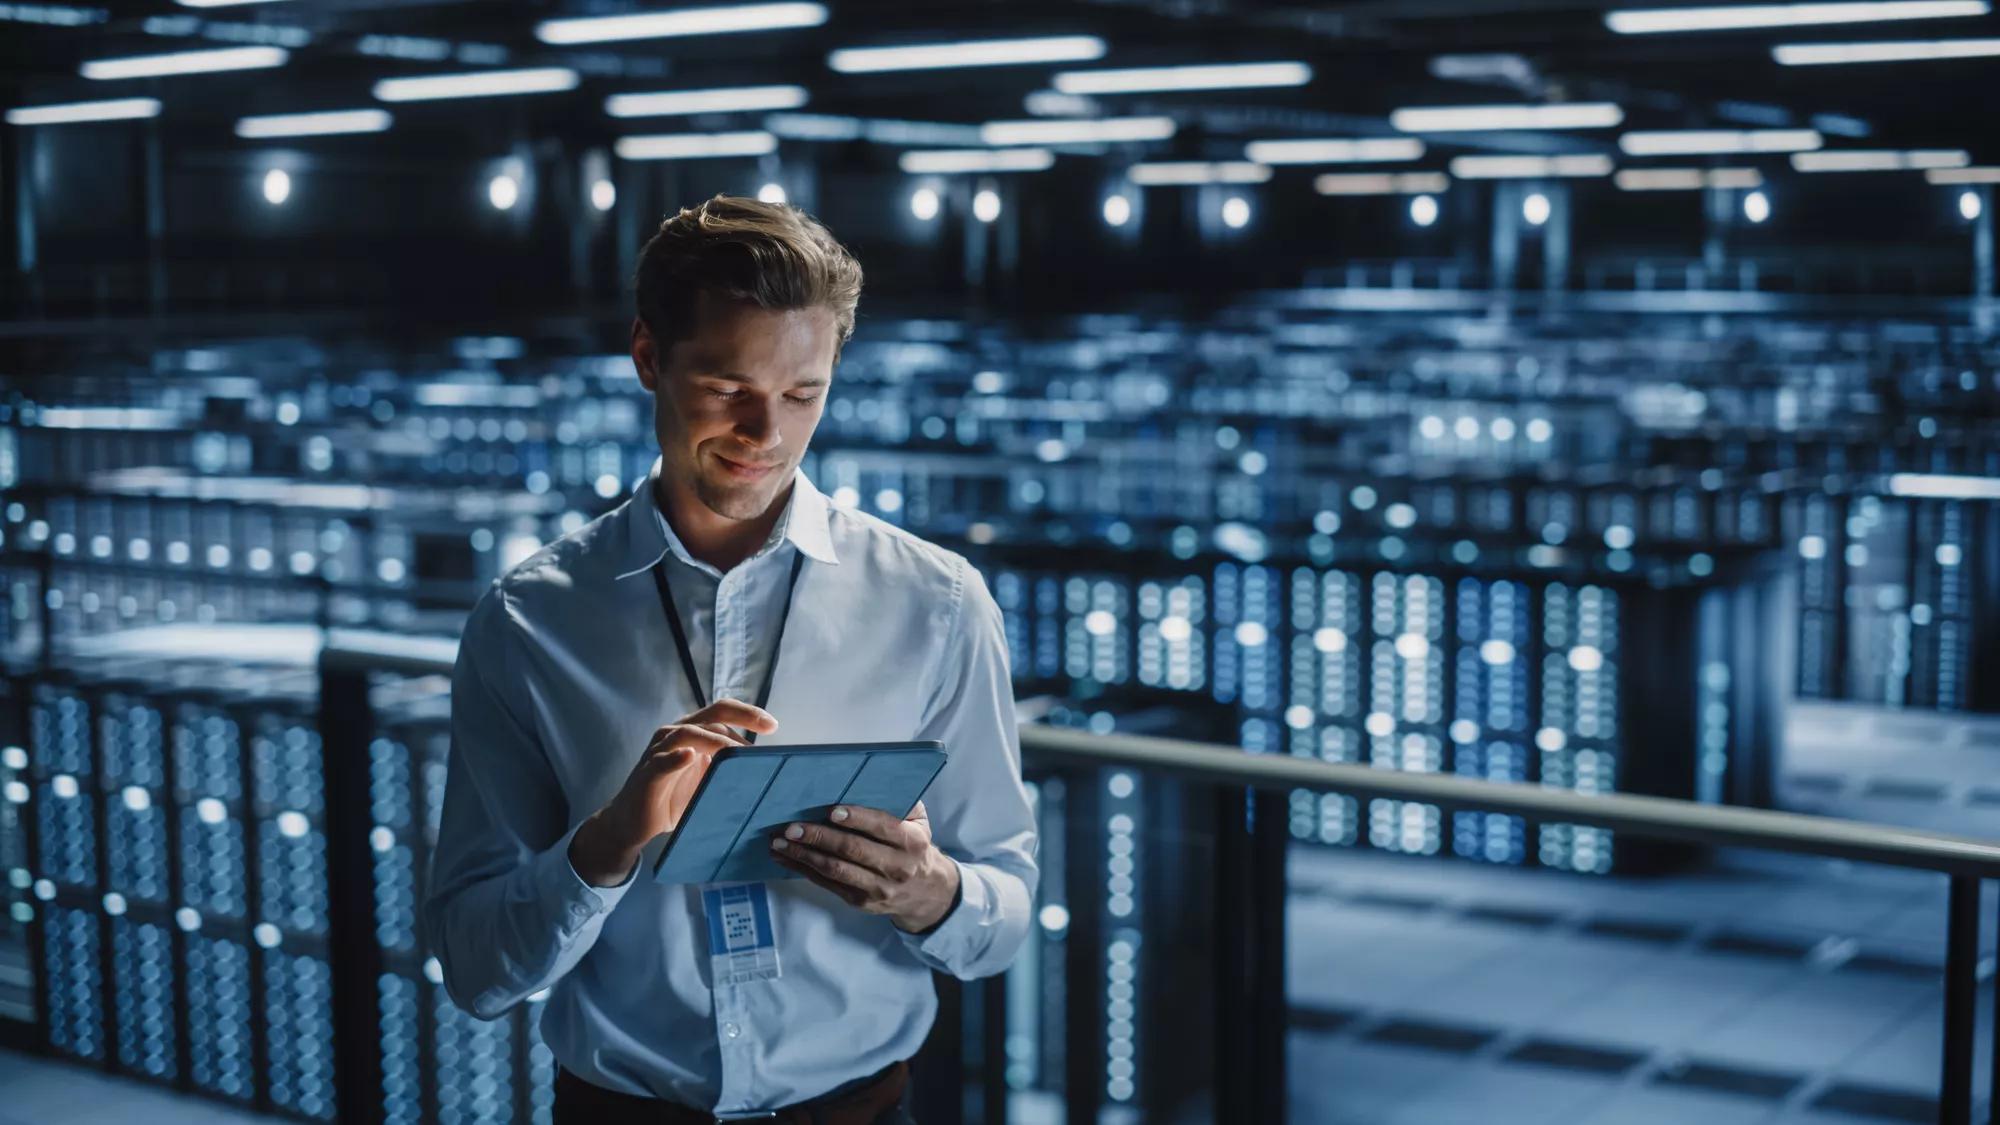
column 645, row 354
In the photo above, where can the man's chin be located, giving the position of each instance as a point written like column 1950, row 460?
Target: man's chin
column 735, row 500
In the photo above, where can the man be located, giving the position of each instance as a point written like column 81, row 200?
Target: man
column 582, row 723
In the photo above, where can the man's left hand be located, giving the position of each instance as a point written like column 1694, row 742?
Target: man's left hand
column 875, row 862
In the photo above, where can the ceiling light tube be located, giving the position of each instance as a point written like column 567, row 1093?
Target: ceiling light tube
column 1090, row 131
column 477, row 84
column 950, row 160
column 1736, row 17
column 1718, row 142
column 1167, row 79
column 1381, row 183
column 324, row 124
column 111, row 109
column 185, row 62
column 1529, row 167
column 695, row 146
column 1334, row 151
column 1487, row 118
column 733, row 99
column 679, row 22
column 1827, row 54
column 986, row 52
column 1198, row 172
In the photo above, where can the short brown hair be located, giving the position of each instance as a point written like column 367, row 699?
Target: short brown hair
column 772, row 255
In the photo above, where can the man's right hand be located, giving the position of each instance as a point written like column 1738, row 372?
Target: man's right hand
column 656, row 794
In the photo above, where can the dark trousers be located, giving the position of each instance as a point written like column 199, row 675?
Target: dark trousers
column 580, row 1103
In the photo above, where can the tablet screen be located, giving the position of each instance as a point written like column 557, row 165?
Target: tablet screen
column 751, row 793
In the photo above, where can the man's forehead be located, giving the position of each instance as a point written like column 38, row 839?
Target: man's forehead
column 728, row 339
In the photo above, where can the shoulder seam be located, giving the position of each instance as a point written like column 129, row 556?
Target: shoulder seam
column 951, row 637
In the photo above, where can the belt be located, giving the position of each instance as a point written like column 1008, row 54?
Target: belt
column 579, row 1101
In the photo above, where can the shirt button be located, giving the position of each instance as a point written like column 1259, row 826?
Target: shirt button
column 731, row 1030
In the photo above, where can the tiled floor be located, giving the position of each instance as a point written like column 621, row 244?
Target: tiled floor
column 38, row 1091
column 1758, row 989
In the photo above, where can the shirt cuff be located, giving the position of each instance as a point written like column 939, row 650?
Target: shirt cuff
column 957, row 935
column 576, row 898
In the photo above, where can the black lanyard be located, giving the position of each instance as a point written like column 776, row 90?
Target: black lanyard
column 687, row 656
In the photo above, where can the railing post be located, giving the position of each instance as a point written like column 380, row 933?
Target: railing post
column 1083, row 949
column 346, row 727
column 1961, row 1000
column 1250, row 1000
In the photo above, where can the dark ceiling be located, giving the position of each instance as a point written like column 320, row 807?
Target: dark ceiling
column 1368, row 58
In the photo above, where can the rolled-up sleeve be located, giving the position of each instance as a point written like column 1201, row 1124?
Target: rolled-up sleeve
column 505, row 913
column 978, row 806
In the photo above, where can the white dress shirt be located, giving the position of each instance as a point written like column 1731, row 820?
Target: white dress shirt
column 567, row 666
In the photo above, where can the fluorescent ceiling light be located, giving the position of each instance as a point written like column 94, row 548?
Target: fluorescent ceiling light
column 1880, row 160
column 947, row 160
column 1528, row 167
column 684, row 21
column 113, row 109
column 1480, row 118
column 1198, row 172
column 1686, row 179
column 1154, row 79
column 186, row 62
column 52, row 15
column 1963, row 176
column 1705, row 142
column 695, row 146
column 1096, row 131
column 477, row 84
column 1381, row 183
column 734, row 99
column 1334, row 151
column 314, row 124
column 831, row 127
column 1823, row 54
column 987, row 52
column 1730, row 17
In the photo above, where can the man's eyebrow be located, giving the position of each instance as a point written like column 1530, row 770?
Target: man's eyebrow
column 739, row 377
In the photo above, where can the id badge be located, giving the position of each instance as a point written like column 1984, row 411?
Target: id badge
column 742, row 942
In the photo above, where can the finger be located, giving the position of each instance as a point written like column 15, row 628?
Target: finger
column 853, row 847
column 729, row 732
column 919, row 812
column 833, row 867
column 675, row 760
column 846, row 893
column 872, row 823
column 736, row 713
column 695, row 738
column 670, row 737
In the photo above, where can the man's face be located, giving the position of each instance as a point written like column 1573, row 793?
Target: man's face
column 735, row 404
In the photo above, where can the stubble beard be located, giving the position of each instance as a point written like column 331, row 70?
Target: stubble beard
column 739, row 501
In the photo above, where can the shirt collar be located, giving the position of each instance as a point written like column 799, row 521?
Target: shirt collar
column 651, row 538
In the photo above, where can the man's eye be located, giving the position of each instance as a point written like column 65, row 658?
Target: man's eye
column 806, row 401
column 714, row 393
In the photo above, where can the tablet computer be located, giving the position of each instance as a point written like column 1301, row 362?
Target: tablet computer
column 751, row 792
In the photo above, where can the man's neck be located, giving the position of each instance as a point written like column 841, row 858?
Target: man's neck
column 715, row 539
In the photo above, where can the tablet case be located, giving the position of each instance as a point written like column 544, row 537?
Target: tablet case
column 751, row 792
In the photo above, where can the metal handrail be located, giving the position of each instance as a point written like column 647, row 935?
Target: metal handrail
column 1658, row 817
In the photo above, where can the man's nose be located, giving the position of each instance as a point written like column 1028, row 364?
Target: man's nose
column 757, row 425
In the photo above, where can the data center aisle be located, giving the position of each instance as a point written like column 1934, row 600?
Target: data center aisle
column 46, row 1091
column 1757, row 990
